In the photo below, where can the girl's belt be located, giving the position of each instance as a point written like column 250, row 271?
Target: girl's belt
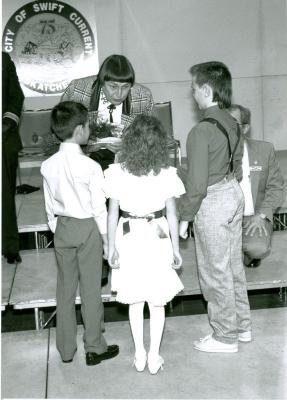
column 149, row 217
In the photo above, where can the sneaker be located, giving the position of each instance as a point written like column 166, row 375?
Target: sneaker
column 211, row 345
column 245, row 336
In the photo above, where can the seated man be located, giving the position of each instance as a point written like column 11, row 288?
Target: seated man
column 262, row 185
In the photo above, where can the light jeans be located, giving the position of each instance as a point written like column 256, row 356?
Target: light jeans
column 218, row 239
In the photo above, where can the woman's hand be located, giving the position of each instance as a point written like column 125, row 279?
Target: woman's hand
column 93, row 147
column 113, row 259
column 177, row 260
column 183, row 227
column 114, row 147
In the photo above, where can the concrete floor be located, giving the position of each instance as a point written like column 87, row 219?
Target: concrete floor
column 31, row 366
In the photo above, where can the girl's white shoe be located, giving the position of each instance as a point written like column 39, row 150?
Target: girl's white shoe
column 140, row 362
column 155, row 363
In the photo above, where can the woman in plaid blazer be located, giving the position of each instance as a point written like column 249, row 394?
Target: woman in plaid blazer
column 112, row 91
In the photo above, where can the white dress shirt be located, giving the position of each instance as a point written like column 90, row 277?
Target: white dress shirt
column 103, row 111
column 73, row 187
column 246, row 184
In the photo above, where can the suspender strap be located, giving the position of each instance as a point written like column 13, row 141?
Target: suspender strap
column 223, row 130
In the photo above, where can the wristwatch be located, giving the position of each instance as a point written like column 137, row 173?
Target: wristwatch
column 263, row 216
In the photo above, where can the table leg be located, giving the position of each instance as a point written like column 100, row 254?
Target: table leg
column 36, row 240
column 37, row 321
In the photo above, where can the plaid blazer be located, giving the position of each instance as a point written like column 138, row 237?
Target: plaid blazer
column 81, row 90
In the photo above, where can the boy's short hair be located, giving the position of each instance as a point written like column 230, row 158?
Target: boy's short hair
column 65, row 117
column 218, row 77
column 245, row 113
column 116, row 68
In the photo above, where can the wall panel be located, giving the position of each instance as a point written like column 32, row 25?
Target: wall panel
column 163, row 38
column 275, row 110
column 274, row 37
column 248, row 92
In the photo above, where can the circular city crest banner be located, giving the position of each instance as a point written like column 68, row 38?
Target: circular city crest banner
column 48, row 42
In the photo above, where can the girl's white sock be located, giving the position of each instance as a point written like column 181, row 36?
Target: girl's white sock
column 136, row 322
column 157, row 319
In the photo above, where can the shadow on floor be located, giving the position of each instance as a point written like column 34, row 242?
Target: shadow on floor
column 21, row 320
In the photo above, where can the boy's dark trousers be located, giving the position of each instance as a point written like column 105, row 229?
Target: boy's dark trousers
column 79, row 254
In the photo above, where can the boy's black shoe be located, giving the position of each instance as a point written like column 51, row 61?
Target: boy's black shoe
column 254, row 263
column 26, row 189
column 13, row 258
column 94, row 358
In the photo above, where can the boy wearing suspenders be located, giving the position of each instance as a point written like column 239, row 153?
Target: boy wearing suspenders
column 214, row 202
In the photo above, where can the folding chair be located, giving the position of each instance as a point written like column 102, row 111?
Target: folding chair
column 163, row 112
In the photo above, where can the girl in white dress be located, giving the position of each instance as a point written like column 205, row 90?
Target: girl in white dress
column 143, row 243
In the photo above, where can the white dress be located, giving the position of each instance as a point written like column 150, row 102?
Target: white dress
column 145, row 251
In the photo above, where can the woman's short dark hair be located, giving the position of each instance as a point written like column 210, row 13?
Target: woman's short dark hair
column 217, row 76
column 116, row 68
column 65, row 117
column 144, row 146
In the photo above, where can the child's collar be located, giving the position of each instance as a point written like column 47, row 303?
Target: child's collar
column 71, row 147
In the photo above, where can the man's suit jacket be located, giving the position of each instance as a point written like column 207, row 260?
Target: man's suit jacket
column 141, row 100
column 12, row 101
column 266, row 178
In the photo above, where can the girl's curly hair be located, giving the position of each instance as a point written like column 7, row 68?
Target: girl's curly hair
column 144, row 147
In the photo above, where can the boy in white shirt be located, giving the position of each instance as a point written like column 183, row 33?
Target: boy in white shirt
column 76, row 210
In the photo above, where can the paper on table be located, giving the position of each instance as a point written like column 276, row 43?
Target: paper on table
column 110, row 139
